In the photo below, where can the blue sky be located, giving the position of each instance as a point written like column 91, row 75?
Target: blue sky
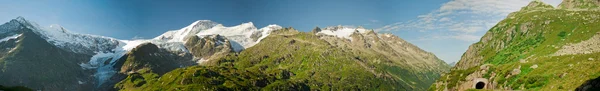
column 444, row 27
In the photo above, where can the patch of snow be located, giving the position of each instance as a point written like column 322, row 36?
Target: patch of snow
column 130, row 44
column 267, row 30
column 10, row 37
column 388, row 35
column 342, row 31
column 171, row 46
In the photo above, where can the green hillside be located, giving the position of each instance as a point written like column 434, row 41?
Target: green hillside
column 533, row 49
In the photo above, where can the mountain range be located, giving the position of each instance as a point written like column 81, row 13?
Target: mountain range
column 209, row 56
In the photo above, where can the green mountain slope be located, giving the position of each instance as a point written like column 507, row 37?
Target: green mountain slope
column 292, row 60
column 536, row 48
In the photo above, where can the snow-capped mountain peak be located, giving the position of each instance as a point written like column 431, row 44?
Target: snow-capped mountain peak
column 60, row 37
column 244, row 29
column 27, row 23
column 192, row 29
column 242, row 36
column 20, row 19
column 201, row 24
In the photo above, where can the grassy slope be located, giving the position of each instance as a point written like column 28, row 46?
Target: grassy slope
column 288, row 60
column 537, row 45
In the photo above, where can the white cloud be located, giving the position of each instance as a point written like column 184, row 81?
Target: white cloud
column 463, row 19
column 445, row 19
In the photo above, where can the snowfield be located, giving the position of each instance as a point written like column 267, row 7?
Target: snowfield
column 342, row 31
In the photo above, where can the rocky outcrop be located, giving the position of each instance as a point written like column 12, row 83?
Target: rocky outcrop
column 591, row 45
column 316, row 30
column 208, row 48
column 470, row 58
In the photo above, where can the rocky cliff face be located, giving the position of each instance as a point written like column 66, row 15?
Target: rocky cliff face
column 536, row 48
